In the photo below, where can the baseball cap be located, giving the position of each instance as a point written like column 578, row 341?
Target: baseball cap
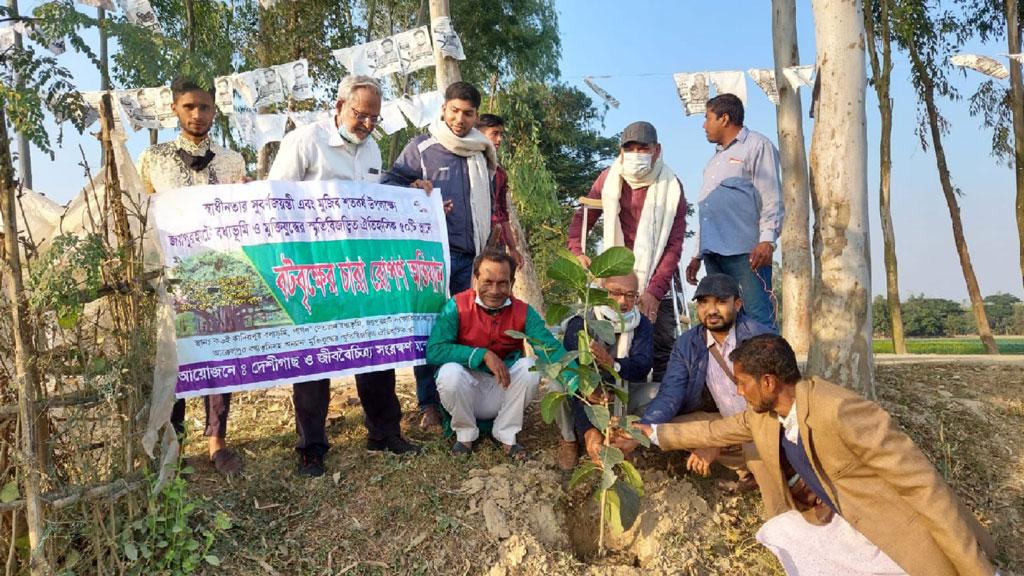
column 640, row 132
column 717, row 285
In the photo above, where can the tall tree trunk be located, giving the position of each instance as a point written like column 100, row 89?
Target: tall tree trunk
column 796, row 245
column 24, row 147
column 101, row 24
column 841, row 324
column 447, row 68
column 1017, row 107
column 26, row 370
column 881, row 72
column 973, row 291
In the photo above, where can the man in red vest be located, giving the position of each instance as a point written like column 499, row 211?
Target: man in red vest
column 484, row 373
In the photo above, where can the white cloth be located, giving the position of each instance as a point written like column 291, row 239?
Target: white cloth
column 446, row 40
column 139, row 106
column 224, row 95
column 468, row 394
column 140, row 13
column 354, row 60
column 305, row 117
column 765, row 80
column 258, row 130
column 835, row 548
column 422, row 109
column 414, row 49
column 984, row 64
column 481, row 160
column 656, row 217
column 391, row 118
column 318, row 152
column 731, row 82
column 692, row 88
column 798, row 76
column 295, row 80
column 722, row 389
column 105, row 4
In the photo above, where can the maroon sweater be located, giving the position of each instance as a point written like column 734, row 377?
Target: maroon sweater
column 631, row 204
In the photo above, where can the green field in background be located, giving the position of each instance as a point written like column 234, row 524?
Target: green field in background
column 1007, row 345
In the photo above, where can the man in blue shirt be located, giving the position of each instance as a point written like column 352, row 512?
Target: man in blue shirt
column 740, row 208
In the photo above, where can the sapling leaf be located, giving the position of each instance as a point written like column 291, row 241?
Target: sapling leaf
column 516, row 334
column 615, row 261
column 632, row 477
column 556, row 313
column 550, row 405
column 567, row 270
column 583, row 343
column 611, row 456
column 581, row 472
column 608, row 477
column 629, row 504
column 603, row 329
column 598, row 416
column 9, row 493
column 637, row 435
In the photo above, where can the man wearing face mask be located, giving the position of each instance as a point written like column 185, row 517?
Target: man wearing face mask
column 629, row 355
column 459, row 160
column 340, row 148
column 648, row 200
column 740, row 207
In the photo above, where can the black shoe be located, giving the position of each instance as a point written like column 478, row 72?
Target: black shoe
column 311, row 464
column 393, row 444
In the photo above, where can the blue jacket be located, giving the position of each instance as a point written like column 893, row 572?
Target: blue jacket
column 687, row 372
column 446, row 171
column 632, row 368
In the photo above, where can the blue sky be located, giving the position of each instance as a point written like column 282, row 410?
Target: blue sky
column 641, row 43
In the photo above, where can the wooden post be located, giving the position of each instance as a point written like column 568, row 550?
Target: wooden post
column 447, row 69
column 25, row 357
column 795, row 240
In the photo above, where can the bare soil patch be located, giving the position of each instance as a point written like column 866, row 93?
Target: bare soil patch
column 436, row 514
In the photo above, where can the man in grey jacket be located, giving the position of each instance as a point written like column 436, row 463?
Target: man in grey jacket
column 459, row 161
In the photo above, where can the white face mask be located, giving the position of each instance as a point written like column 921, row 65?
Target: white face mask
column 348, row 136
column 636, row 164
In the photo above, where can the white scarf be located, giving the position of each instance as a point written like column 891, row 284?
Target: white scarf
column 481, row 160
column 656, row 218
column 625, row 324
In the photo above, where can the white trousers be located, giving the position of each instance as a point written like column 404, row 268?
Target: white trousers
column 835, row 548
column 468, row 394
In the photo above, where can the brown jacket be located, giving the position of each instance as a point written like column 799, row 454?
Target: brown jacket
column 878, row 479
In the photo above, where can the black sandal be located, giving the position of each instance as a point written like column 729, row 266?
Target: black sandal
column 517, row 454
column 460, row 449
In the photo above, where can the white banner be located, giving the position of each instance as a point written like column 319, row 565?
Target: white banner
column 983, row 64
column 446, row 40
column 731, row 82
column 765, row 79
column 692, row 88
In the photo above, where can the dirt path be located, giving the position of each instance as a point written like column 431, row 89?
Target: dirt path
column 433, row 514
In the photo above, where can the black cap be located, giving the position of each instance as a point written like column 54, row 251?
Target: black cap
column 640, row 132
column 717, row 285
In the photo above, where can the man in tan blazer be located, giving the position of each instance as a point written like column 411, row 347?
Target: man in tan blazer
column 848, row 453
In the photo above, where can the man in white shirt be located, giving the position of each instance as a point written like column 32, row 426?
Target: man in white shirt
column 341, row 149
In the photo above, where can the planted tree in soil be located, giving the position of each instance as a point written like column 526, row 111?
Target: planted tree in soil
column 618, row 485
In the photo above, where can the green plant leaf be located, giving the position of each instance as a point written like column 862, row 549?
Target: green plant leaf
column 632, row 477
column 556, row 313
column 615, row 261
column 586, row 380
column 568, row 272
column 212, row 560
column 611, row 509
column 619, row 393
column 603, row 329
column 583, row 347
column 581, row 472
column 222, row 521
column 550, row 405
column 611, row 456
column 599, row 297
column 629, row 504
column 9, row 493
column 516, row 334
column 598, row 416
column 608, row 477
column 637, row 435
column 131, row 552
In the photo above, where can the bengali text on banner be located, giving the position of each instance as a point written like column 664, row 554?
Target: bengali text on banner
column 281, row 282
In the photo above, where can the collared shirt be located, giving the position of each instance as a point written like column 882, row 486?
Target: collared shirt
column 790, row 426
column 318, row 152
column 722, row 388
column 161, row 168
column 741, row 198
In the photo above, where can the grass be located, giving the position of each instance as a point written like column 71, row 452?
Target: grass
column 960, row 345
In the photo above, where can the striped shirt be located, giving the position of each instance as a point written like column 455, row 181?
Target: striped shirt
column 722, row 389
